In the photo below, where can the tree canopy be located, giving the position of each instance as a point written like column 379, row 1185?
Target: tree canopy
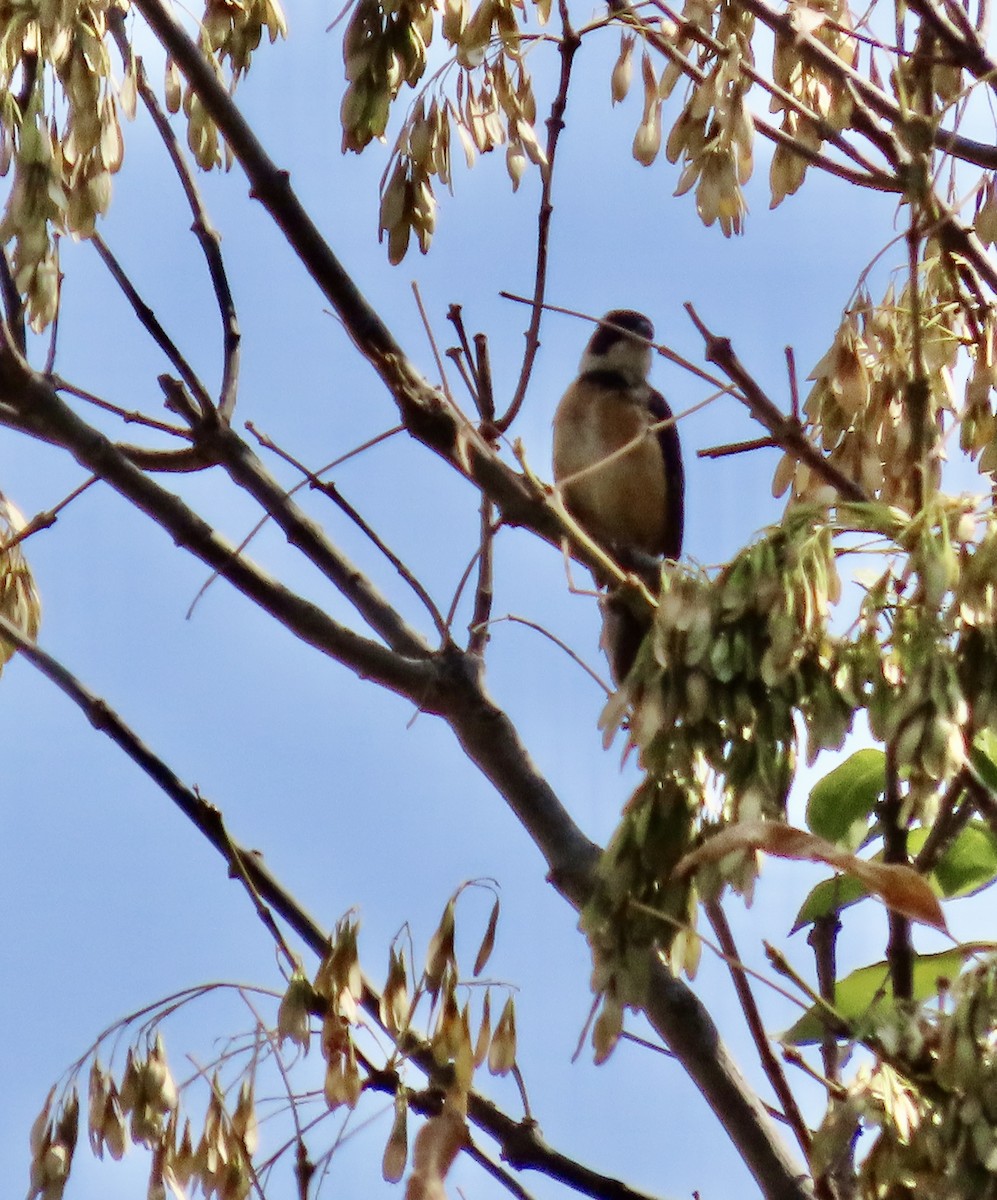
column 200, row 334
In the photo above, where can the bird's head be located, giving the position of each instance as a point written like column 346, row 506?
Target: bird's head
column 620, row 345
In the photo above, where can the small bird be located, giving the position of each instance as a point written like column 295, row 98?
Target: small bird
column 632, row 504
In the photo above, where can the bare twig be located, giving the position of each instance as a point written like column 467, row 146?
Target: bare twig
column 900, row 947
column 444, row 384
column 207, row 236
column 561, row 645
column 726, row 451
column 486, row 391
column 823, row 940
column 786, row 431
column 484, row 591
column 46, row 519
column 753, row 1018
column 794, row 384
column 567, row 48
column 149, row 321
column 12, row 303
column 329, row 489
column 467, row 366
column 129, row 416
column 951, row 821
column 658, row 347
column 380, row 437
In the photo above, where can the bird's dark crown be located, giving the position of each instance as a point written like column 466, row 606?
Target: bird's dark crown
column 609, row 331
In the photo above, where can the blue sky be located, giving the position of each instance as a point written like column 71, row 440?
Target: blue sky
column 112, row 900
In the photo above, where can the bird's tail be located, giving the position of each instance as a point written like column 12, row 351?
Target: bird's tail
column 624, row 627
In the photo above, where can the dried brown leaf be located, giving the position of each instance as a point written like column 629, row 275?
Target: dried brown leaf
column 898, row 886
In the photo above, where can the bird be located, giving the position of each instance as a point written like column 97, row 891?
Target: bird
column 633, row 504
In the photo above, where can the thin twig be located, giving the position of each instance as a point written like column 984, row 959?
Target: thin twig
column 329, row 489
column 444, row 383
column 455, row 315
column 207, row 236
column 726, row 451
column 456, row 356
column 53, row 337
column 243, row 864
column 261, row 523
column 951, row 821
column 46, row 519
column 794, row 384
column 130, row 417
column 785, row 430
column 567, row 48
column 659, row 348
column 753, row 1018
column 484, row 592
column 12, row 303
column 899, row 947
column 150, row 322
column 483, row 374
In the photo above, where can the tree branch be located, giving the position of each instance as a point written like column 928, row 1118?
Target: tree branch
column 207, row 236
column 521, row 1143
column 41, row 413
column 567, row 48
column 786, row 431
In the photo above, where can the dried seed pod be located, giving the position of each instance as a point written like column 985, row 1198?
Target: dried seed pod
column 622, row 76
column 502, row 1053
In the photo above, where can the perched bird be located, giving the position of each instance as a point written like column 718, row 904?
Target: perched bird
column 632, row 504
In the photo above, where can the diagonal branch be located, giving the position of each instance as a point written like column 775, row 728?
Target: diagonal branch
column 151, row 323
column 206, row 234
column 228, row 449
column 38, row 411
column 786, row 431
column 521, row 1143
column 567, row 48
column 450, row 686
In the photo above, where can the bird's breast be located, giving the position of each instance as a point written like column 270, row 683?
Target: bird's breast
column 619, row 500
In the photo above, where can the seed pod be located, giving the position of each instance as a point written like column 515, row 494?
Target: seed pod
column 502, row 1053
column 622, row 76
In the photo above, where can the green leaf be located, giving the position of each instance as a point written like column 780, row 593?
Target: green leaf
column 970, row 863
column 846, row 797
column 829, row 896
column 863, row 993
column 983, row 756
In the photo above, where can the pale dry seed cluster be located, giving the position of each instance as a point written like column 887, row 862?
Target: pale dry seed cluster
column 230, row 31
column 860, row 410
column 385, row 48
column 62, row 163
column 714, row 134
column 145, row 1109
column 932, row 1104
column 337, row 991
column 60, row 114
column 810, row 92
column 19, row 599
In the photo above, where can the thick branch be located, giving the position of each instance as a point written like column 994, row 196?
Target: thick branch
column 426, row 413
column 521, row 1142
column 229, row 449
column 43, row 414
